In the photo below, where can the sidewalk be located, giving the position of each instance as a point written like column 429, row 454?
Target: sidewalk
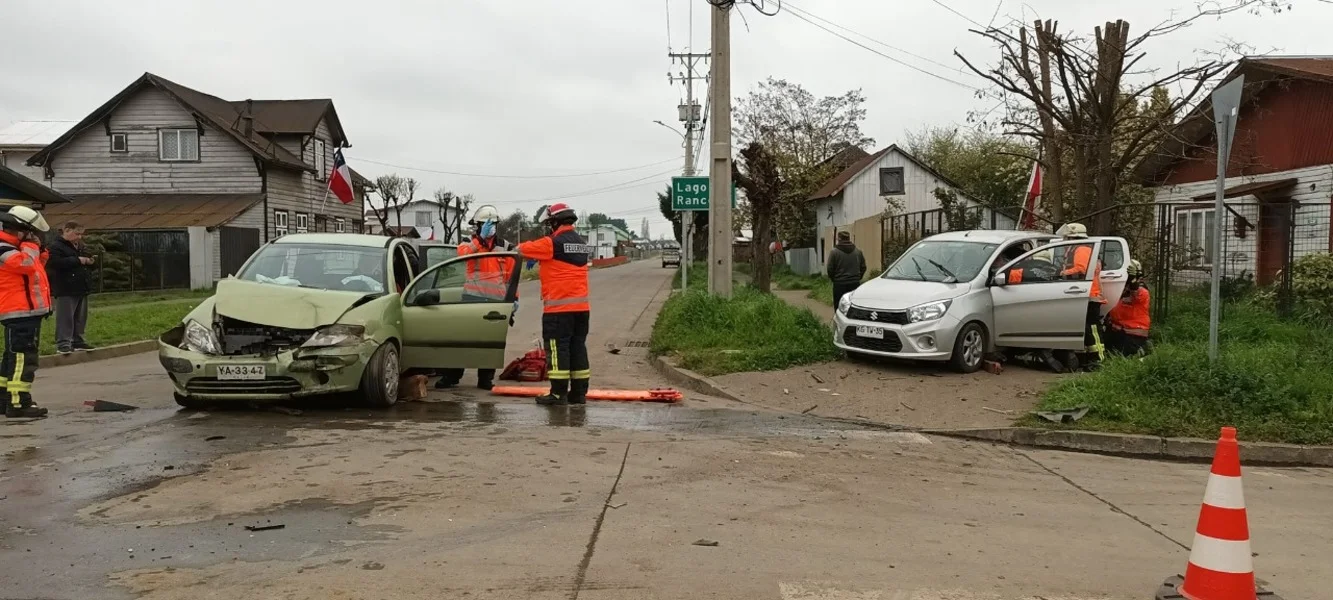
column 802, row 299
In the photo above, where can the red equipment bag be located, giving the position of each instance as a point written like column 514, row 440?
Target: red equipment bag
column 530, row 367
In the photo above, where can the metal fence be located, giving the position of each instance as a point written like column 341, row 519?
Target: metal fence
column 139, row 260
column 901, row 231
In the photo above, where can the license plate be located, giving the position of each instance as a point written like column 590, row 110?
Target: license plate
column 870, row 332
column 241, row 372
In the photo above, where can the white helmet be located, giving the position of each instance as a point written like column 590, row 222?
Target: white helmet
column 29, row 218
column 486, row 214
column 1073, row 231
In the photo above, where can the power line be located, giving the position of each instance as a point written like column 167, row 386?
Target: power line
column 793, row 7
column 896, row 60
column 595, row 191
column 951, row 9
column 566, row 176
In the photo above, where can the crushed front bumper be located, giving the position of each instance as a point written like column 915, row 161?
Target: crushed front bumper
column 293, row 374
column 928, row 340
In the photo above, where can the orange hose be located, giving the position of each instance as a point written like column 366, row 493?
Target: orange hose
column 666, row 395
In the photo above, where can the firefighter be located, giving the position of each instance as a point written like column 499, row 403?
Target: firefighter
column 563, row 257
column 25, row 299
column 1129, row 323
column 1078, row 266
column 487, row 280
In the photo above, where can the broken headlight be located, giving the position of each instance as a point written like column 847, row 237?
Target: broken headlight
column 200, row 339
column 335, row 335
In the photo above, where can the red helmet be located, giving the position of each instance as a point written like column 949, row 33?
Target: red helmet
column 556, row 212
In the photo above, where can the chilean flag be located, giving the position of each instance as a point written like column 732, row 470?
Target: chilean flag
column 1027, row 220
column 340, row 180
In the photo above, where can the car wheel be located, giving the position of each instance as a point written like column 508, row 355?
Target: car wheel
column 969, row 348
column 188, row 402
column 379, row 382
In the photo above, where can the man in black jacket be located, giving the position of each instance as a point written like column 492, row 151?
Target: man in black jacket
column 846, row 266
column 67, row 268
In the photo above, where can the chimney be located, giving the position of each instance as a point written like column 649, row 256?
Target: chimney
column 248, row 118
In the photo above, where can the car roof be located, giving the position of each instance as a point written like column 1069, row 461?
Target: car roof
column 989, row 236
column 363, row 240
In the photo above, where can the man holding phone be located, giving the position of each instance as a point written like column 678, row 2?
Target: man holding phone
column 71, row 281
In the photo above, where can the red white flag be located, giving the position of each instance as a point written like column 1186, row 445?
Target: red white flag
column 340, row 180
column 1027, row 219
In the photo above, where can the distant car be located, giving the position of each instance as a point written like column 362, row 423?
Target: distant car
column 320, row 313
column 950, row 298
column 670, row 257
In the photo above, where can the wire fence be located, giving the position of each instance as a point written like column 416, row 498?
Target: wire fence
column 901, row 231
column 139, row 260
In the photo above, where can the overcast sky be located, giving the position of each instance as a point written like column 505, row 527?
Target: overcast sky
column 518, row 89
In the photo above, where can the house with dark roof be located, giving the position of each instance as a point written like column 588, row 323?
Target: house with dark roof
column 177, row 172
column 1279, row 177
column 859, row 198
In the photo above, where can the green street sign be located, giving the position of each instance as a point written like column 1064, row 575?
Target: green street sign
column 691, row 193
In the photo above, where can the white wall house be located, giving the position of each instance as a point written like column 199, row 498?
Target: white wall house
column 22, row 139
column 860, row 195
column 602, row 237
column 424, row 215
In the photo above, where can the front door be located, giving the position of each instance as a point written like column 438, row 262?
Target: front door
column 1274, row 240
column 444, row 328
column 1044, row 307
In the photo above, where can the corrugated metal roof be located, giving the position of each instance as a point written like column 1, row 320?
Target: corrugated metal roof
column 36, row 134
column 1312, row 67
column 841, row 180
column 152, row 211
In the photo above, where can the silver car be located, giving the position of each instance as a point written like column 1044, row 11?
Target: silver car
column 958, row 296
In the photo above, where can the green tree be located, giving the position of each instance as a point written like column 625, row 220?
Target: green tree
column 757, row 174
column 603, row 219
column 990, row 167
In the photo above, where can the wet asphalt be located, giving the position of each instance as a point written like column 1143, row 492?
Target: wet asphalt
column 47, row 553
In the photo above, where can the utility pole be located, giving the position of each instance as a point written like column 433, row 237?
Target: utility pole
column 719, row 184
column 691, row 116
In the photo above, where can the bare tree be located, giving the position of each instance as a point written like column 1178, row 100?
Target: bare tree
column 390, row 189
column 758, row 174
column 451, row 209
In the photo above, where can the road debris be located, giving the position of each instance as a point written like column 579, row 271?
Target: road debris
column 906, row 405
column 613, row 506
column 107, row 406
column 816, row 378
column 1068, row 415
column 706, row 543
column 998, row 410
column 265, row 527
column 373, row 566
column 807, row 411
column 214, row 438
column 992, row 367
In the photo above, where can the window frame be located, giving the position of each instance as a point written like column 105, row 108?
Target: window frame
column 161, row 147
column 281, row 223
column 321, row 149
column 339, row 225
column 902, row 181
column 1059, row 268
column 1188, row 258
column 125, row 143
column 302, row 223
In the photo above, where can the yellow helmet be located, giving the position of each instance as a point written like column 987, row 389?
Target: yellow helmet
column 1135, row 269
column 27, row 218
column 1073, row 231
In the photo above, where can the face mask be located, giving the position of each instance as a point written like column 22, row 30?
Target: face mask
column 488, row 229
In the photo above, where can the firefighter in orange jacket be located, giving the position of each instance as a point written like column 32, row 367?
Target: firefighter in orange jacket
column 25, row 299
column 1130, row 322
column 563, row 257
column 1078, row 269
column 487, row 280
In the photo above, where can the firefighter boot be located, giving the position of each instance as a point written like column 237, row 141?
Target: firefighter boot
column 31, row 411
column 486, row 379
column 578, row 391
column 558, row 396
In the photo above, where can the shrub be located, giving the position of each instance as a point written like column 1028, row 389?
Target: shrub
column 1312, row 286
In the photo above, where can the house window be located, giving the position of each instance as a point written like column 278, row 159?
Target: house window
column 178, row 144
column 279, row 223
column 358, row 226
column 424, row 218
column 321, row 161
column 1194, row 237
column 302, row 222
column 339, row 225
column 891, row 181
column 120, row 142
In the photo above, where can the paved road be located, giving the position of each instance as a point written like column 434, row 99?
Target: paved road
column 462, row 499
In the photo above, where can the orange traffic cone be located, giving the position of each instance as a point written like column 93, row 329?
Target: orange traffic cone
column 1220, row 567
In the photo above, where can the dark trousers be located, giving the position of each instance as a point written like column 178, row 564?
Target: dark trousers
column 565, row 336
column 18, row 368
column 456, row 375
column 71, row 320
column 1092, row 336
column 842, row 289
column 1125, row 344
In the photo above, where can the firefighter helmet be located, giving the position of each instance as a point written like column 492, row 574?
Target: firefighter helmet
column 1073, row 231
column 556, row 212
column 23, row 217
column 486, row 214
column 1135, row 269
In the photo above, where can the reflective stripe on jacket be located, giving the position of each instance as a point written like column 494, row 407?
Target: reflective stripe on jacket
column 486, row 277
column 1131, row 314
column 24, row 291
column 564, row 257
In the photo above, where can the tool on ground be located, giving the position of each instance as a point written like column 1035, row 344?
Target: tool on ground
column 664, row 395
column 529, row 367
column 1220, row 565
column 106, row 406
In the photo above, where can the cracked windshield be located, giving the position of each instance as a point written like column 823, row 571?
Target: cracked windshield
column 732, row 299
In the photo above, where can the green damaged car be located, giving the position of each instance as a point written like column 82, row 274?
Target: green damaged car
column 323, row 313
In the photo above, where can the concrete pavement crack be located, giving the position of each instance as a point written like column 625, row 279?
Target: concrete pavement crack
column 1103, row 500
column 597, row 529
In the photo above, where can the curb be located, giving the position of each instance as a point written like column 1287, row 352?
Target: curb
column 1145, row 446
column 1092, row 442
column 78, row 358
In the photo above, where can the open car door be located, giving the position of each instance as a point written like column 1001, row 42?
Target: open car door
column 1115, row 270
column 1037, row 305
column 443, row 327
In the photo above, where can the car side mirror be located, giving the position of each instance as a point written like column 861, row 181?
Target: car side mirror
column 1000, row 279
column 429, row 297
